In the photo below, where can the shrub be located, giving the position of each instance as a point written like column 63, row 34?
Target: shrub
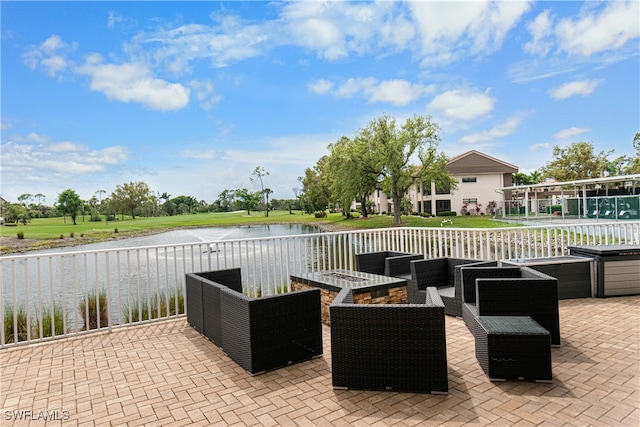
column 61, row 236
column 554, row 208
column 95, row 217
column 449, row 213
column 58, row 322
column 94, row 306
column 34, row 327
column 115, row 230
column 20, row 235
column 21, row 324
column 320, row 214
column 141, row 310
column 72, row 234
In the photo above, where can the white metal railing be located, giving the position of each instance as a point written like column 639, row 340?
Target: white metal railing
column 52, row 295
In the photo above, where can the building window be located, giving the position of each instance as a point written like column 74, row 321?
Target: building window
column 445, row 190
column 469, row 179
column 443, row 206
column 470, row 201
column 426, row 188
column 427, row 206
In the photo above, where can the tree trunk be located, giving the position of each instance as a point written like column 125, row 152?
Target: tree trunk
column 363, row 206
column 397, row 199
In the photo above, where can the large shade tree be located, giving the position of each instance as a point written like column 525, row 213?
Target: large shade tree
column 353, row 171
column 69, row 203
column 576, row 161
column 398, row 146
column 316, row 186
column 246, row 199
column 128, row 197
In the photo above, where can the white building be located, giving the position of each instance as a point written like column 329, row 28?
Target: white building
column 478, row 176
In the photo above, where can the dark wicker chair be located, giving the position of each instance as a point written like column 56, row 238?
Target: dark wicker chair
column 511, row 291
column 389, row 347
column 386, row 263
column 259, row 334
column 203, row 301
column 444, row 274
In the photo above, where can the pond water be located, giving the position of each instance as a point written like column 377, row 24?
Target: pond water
column 68, row 275
column 194, row 235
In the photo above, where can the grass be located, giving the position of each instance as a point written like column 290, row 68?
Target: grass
column 53, row 228
column 144, row 311
column 95, row 303
column 43, row 233
column 21, row 323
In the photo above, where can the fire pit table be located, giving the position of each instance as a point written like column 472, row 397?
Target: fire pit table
column 367, row 288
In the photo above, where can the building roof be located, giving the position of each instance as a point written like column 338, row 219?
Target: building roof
column 634, row 179
column 476, row 162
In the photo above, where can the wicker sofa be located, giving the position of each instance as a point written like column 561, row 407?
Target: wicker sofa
column 444, row 274
column 389, row 347
column 386, row 263
column 511, row 291
column 259, row 334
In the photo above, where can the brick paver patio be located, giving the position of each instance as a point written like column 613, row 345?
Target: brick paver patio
column 167, row 374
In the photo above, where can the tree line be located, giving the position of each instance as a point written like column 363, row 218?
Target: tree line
column 137, row 199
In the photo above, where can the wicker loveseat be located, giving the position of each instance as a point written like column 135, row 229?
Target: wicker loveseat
column 259, row 334
column 389, row 347
column 444, row 274
column 386, row 263
column 511, row 291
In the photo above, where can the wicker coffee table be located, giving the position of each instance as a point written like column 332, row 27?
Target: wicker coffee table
column 513, row 347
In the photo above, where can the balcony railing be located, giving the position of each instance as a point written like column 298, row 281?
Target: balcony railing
column 53, row 295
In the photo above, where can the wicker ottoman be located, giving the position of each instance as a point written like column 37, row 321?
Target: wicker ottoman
column 513, row 347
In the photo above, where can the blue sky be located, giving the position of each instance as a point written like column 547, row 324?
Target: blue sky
column 190, row 97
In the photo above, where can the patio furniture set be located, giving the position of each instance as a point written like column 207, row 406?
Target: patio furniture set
column 381, row 344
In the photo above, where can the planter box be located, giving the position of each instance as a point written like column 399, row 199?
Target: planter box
column 574, row 274
column 617, row 268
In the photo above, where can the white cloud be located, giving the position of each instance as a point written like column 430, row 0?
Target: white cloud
column 285, row 150
column 228, row 40
column 320, row 86
column 540, row 146
column 65, row 147
column 463, row 104
column 205, row 93
column 131, row 82
column 578, row 87
column 396, row 92
column 34, row 159
column 503, row 129
column 599, row 35
column 450, row 30
column 126, row 82
column 593, row 33
column 198, row 154
column 51, row 55
column 540, row 29
column 113, row 19
column 569, row 132
column 6, row 124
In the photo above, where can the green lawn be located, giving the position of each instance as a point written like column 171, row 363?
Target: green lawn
column 48, row 229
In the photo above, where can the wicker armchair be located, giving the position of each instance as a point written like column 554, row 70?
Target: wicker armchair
column 389, row 347
column 386, row 263
column 511, row 291
column 259, row 334
column 444, row 274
